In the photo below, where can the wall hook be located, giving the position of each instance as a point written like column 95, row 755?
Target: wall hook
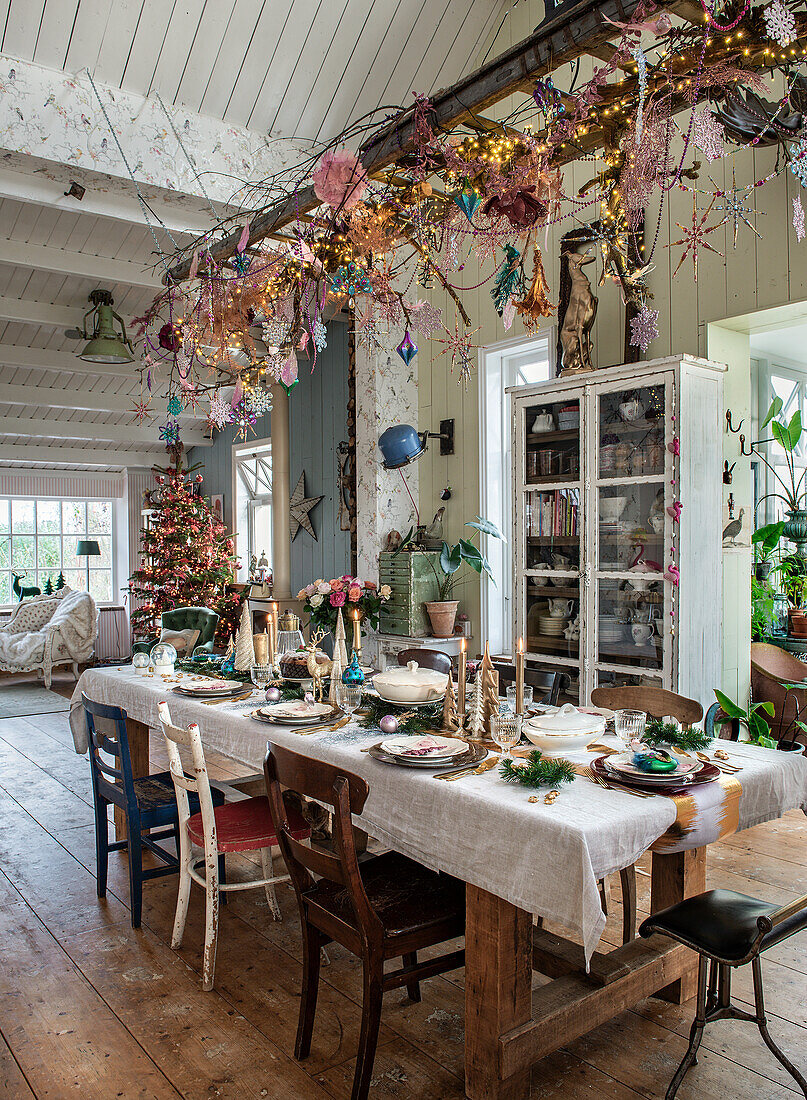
column 729, row 426
column 746, row 454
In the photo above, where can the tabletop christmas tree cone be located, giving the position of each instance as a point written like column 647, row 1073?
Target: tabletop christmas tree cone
column 340, row 644
column 476, row 712
column 244, row 647
column 337, row 668
column 450, row 719
column 489, row 678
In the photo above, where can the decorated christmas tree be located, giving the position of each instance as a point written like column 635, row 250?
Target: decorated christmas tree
column 187, row 558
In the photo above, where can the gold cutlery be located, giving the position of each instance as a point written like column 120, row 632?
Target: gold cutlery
column 479, row 769
column 326, row 729
column 610, row 787
column 728, row 768
column 229, row 699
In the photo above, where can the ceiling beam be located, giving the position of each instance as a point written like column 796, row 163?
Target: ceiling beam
column 28, row 312
column 87, row 429
column 43, row 257
column 77, row 399
column 12, row 355
column 555, row 42
column 79, row 456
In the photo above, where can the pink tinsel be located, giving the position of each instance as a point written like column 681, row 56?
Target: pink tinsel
column 339, row 179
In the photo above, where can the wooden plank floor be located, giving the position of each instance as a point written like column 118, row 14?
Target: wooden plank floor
column 89, row 1007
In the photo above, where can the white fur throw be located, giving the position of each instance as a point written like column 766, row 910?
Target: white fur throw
column 46, row 632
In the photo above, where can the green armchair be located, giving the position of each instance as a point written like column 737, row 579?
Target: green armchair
column 184, row 618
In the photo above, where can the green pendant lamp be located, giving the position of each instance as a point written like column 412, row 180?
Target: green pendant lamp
column 106, row 344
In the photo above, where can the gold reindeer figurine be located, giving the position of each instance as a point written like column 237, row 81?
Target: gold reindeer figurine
column 579, row 317
column 318, row 670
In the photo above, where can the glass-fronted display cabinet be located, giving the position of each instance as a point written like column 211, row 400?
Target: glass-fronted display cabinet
column 602, row 541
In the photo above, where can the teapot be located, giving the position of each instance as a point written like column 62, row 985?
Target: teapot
column 641, row 633
column 558, row 608
column 631, row 410
column 544, row 422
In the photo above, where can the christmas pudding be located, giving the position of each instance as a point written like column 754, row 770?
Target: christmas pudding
column 294, row 664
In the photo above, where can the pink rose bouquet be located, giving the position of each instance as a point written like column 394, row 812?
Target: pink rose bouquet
column 324, row 598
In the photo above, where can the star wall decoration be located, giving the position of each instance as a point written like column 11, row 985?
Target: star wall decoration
column 734, row 207
column 694, row 237
column 299, row 507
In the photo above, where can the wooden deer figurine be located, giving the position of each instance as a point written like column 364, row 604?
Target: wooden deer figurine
column 579, row 317
column 317, row 670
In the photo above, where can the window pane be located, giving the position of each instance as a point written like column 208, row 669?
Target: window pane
column 5, row 588
column 73, row 517
column 101, row 584
column 105, row 546
column 22, row 552
column 75, row 578
column 48, row 553
column 5, row 554
column 22, row 516
column 48, row 515
column 4, row 514
column 69, row 558
column 99, row 517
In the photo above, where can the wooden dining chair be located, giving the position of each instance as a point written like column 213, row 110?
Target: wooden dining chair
column 387, row 907
column 426, row 658
column 148, row 803
column 242, row 826
column 656, row 703
column 546, row 686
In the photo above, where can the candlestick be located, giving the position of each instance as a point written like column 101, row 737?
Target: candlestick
column 357, row 633
column 520, row 677
column 461, row 682
column 272, row 624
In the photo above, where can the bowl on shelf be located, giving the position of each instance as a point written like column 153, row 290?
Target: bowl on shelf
column 566, row 730
column 611, row 508
column 411, row 684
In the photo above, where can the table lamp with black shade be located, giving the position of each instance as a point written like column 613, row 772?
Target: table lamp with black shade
column 88, row 548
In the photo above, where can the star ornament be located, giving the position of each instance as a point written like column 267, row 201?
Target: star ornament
column 461, row 347
column 141, row 411
column 299, row 508
column 734, row 208
column 694, row 237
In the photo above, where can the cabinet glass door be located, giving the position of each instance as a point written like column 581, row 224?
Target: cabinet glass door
column 632, row 530
column 553, row 536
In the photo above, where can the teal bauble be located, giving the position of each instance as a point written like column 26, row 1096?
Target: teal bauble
column 353, row 674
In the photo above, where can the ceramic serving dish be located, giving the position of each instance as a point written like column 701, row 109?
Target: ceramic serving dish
column 567, row 730
column 411, row 684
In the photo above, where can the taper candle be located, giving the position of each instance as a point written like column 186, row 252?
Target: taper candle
column 356, row 632
column 463, row 672
column 520, row 677
column 272, row 633
column 260, row 643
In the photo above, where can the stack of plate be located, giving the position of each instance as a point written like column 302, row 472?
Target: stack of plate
column 688, row 773
column 553, row 625
column 423, row 751
column 297, row 713
column 205, row 688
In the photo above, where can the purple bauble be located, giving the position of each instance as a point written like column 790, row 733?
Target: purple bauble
column 272, row 694
column 388, row 724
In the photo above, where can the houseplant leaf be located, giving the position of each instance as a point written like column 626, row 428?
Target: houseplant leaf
column 450, row 559
column 781, row 435
column 486, row 526
column 794, row 430
column 774, row 410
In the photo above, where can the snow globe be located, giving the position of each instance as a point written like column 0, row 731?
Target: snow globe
column 163, row 656
column 141, row 663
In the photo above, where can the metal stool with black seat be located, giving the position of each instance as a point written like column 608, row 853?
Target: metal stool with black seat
column 148, row 802
column 727, row 930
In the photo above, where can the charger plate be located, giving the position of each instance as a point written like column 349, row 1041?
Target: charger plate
column 708, row 773
column 474, row 754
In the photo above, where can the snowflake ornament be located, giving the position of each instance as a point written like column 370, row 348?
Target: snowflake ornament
column 780, row 25
column 426, row 318
column 320, row 336
column 174, row 407
column 259, row 401
column 274, row 331
column 708, row 134
column 644, row 327
column 459, row 345
column 735, row 207
column 244, row 418
column 798, row 218
column 798, row 161
column 169, row 431
column 220, row 411
column 694, row 237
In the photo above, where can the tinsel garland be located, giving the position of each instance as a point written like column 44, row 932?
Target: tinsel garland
column 687, row 738
column 537, row 772
column 421, row 720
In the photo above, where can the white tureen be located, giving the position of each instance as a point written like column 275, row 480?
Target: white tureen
column 411, row 684
column 566, row 730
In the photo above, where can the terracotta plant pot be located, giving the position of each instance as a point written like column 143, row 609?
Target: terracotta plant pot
column 442, row 614
column 797, row 623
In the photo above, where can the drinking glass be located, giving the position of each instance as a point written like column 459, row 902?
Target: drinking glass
column 511, row 697
column 629, row 726
column 260, row 675
column 505, row 730
column 348, row 697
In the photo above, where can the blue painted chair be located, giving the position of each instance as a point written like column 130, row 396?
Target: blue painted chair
column 149, row 803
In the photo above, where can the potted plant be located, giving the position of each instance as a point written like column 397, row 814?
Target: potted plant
column 443, row 611
column 761, row 610
column 793, row 490
column 792, row 570
column 765, row 540
column 759, row 731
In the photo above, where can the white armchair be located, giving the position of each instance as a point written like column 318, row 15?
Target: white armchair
column 46, row 631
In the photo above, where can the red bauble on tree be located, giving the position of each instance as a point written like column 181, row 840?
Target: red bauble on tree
column 178, row 571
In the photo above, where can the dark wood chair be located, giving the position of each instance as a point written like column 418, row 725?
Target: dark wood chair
column 148, row 802
column 426, row 658
column 727, row 930
column 546, row 686
column 657, row 703
column 387, row 907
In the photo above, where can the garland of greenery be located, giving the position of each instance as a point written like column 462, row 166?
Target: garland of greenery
column 686, row 738
column 421, row 720
column 537, row 772
column 201, row 667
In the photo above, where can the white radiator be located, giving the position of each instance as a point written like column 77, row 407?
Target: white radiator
column 113, row 634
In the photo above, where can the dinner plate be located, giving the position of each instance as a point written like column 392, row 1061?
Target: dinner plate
column 298, row 727
column 407, row 706
column 473, row 755
column 622, row 764
column 707, row 773
column 420, row 746
column 202, row 692
column 298, row 712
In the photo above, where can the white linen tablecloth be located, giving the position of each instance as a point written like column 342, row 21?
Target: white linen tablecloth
column 544, row 859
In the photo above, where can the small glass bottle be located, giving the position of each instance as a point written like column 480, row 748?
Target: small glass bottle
column 353, row 674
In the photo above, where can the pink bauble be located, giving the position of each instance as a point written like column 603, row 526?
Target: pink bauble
column 388, row 724
column 272, row 694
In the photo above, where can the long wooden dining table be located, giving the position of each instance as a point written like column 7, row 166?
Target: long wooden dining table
column 524, row 863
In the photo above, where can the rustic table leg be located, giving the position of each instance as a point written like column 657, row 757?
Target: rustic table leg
column 138, row 735
column 675, row 877
column 498, row 983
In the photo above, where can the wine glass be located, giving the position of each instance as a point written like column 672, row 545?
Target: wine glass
column 629, row 725
column 505, row 730
column 260, row 675
column 348, row 697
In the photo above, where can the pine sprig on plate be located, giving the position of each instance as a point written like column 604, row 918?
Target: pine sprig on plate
column 537, row 772
column 687, row 738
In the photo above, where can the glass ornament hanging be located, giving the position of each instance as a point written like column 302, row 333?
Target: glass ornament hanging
column 509, row 280
column 350, row 279
column 407, row 349
column 169, row 432
column 353, row 674
column 467, row 200
column 241, row 262
column 320, row 336
column 220, row 411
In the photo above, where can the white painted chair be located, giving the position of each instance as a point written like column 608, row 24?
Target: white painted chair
column 242, row 826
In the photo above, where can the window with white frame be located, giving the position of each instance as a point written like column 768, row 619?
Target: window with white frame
column 39, row 539
column 519, row 362
column 253, row 490
column 789, row 382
